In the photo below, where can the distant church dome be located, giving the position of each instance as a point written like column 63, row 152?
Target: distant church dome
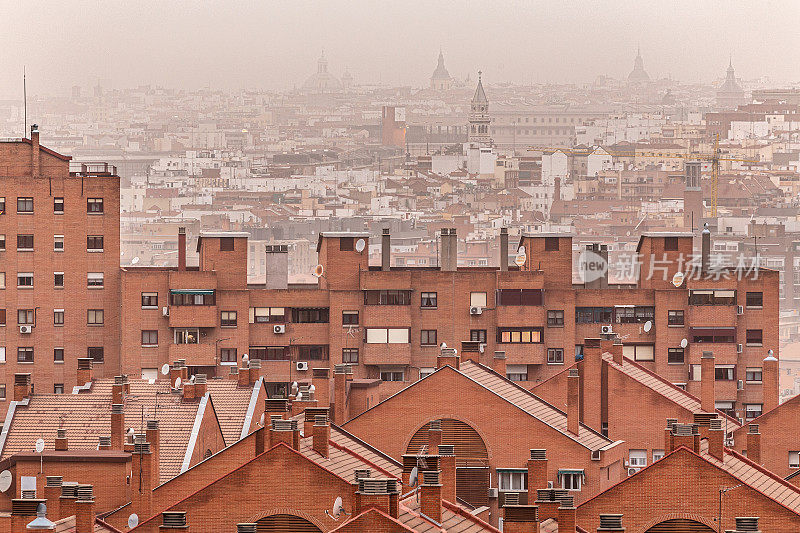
column 440, row 79
column 638, row 74
column 730, row 94
column 322, row 81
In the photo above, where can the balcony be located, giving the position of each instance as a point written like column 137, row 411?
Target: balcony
column 193, row 316
column 722, row 315
column 524, row 354
column 386, row 354
column 195, row 354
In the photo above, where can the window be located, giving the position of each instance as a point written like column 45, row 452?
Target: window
column 517, row 372
column 519, row 297
column 24, row 280
column 794, row 459
column 58, row 205
column 228, row 319
column 25, row 354
column 726, row 407
column 754, row 299
column 226, row 244
column 639, row 352
column 94, row 317
column 187, row 336
column 393, row 376
column 477, row 335
column 428, row 337
column 387, row 335
column 753, row 410
column 633, row 314
column 58, row 388
column 2, row 243
column 753, row 375
column 670, row 244
column 555, row 319
column 424, row 372
column 25, row 316
column 149, row 300
column 754, row 337
column 551, row 244
column 428, row 300
column 312, row 315
column 555, row 356
column 593, row 315
column 637, row 458
column 24, row 205
column 716, row 335
column 58, row 243
column 58, row 355
column 2, row 392
column 24, row 243
column 193, row 298
column 264, row 315
column 724, row 372
column 675, row 356
column 658, row 455
column 519, row 335
column 94, row 205
column 149, row 337
column 94, row 280
column 58, row 317
column 675, row 317
column 2, row 354
column 571, row 480
column 350, row 355
column 228, row 355
column 477, row 299
column 94, row 243
column 269, row 353
column 349, row 318
column 58, row 280
column 2, row 317
column 709, row 297
column 2, row 205
column 511, row 479
column 2, row 280
column 346, row 244
column 312, row 352
column 387, row 297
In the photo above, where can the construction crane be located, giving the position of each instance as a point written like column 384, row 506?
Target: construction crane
column 714, row 157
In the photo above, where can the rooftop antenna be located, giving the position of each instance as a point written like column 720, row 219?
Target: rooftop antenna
column 25, row 101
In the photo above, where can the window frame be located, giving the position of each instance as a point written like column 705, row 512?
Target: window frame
column 758, row 296
column 25, row 276
column 93, row 277
column 95, row 317
column 347, row 354
column 349, row 321
column 56, row 201
column 58, row 240
column 228, row 319
column 553, row 358
column 672, row 315
column 754, row 371
column 56, row 352
column 58, row 314
column 147, row 335
column 425, row 337
column 21, row 242
column 432, row 301
column 555, row 318
column 25, row 354
column 757, row 338
column 149, row 295
column 92, row 241
column 25, row 201
column 671, row 351
column 91, row 204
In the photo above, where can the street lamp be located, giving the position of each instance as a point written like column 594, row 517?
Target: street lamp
column 216, row 351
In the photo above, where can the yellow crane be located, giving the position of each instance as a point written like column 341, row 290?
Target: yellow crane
column 714, row 157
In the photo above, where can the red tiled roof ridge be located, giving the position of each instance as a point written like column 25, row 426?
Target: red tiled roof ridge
column 763, row 470
column 371, row 509
column 365, row 444
column 756, row 420
column 469, row 516
column 360, row 458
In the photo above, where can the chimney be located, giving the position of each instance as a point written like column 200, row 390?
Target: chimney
column 381, row 493
column 277, row 266
column 707, row 382
column 616, row 351
column 499, row 362
column 22, row 510
column 322, row 434
column 746, row 525
column 573, row 401
column 340, row 378
column 537, row 470
column 52, row 493
column 609, row 523
column 276, row 406
column 144, row 476
column 567, row 514
column 503, row 250
column 447, row 471
column 548, row 501
column 716, row 439
column 153, row 436
column 430, row 496
column 61, row 440
column 686, row 435
column 668, row 444
column 188, row 391
column 434, row 434
column 286, row 431
column 35, row 154
column 233, row 373
column 104, row 442
column 386, row 250
column 705, row 248
column 181, row 249
column 22, row 386
column 201, row 384
column 116, row 390
column 244, row 376
column 448, row 356
column 592, row 397
column 754, row 443
column 521, row 519
column 117, row 426
column 322, row 386
column 84, row 510
column 770, row 386
column 449, row 250
column 66, row 502
column 85, row 371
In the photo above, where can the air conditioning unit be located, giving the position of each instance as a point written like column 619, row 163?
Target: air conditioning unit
column 632, row 471
column 739, row 309
column 493, row 492
column 301, row 365
column 606, row 330
column 738, row 348
column 25, row 330
column 475, row 310
column 165, row 311
column 740, row 385
column 279, row 328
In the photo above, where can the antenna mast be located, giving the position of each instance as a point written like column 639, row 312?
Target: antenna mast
column 25, row 102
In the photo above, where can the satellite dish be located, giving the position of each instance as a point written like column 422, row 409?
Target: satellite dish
column 164, row 369
column 245, row 358
column 337, row 510
column 360, row 245
column 318, row 271
column 135, row 260
column 443, row 345
column 312, row 389
column 414, row 477
column 261, row 422
column 648, row 326
column 678, row 278
column 5, row 480
column 151, row 381
column 522, row 256
column 39, row 445
column 684, row 343
column 178, row 382
column 294, row 388
column 133, row 521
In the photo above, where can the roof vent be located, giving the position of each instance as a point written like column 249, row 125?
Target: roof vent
column 54, row 481
column 246, row 528
column 284, row 425
column 342, row 369
column 611, row 522
column 69, row 489
column 377, row 486
column 747, row 524
column 61, row 433
column 435, row 425
column 568, row 501
column 276, row 404
column 141, row 448
column 539, row 455
column 551, row 495
column 715, row 423
column 752, row 428
column 117, row 409
column 85, row 492
column 125, row 379
column 152, row 424
column 685, row 430
column 511, row 498
column 25, row 506
column 118, row 380
column 254, row 363
column 320, row 420
column 22, row 379
column 203, row 378
column 671, row 422
column 430, row 477
column 362, row 473
column 104, row 440
column 85, row 363
column 447, row 449
column 173, row 519
column 28, row 494
column 573, row 373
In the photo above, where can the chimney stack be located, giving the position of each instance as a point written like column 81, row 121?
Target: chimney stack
column 254, row 365
column 117, row 426
column 448, row 356
column 201, row 385
column 705, row 249
column 277, row 266
column 592, row 395
column 66, row 502
column 381, row 493
column 153, row 436
column 430, row 498
column 22, row 386
column 61, row 440
column 716, row 438
column 499, row 362
column 340, row 379
column 104, row 442
column 567, row 514
column 84, row 510
column 322, row 434
column 322, row 386
column 434, row 434
column 145, row 474
column 707, row 382
column 85, row 370
column 447, row 471
column 573, row 401
column 181, row 249
column 537, row 470
column 746, row 525
column 770, row 386
column 503, row 249
column 686, row 435
column 521, row 519
column 286, row 431
column 386, row 250
column 616, row 351
column 35, row 154
column 22, row 509
column 52, row 493
column 609, row 523
column 668, row 444
column 754, row 443
column 449, row 250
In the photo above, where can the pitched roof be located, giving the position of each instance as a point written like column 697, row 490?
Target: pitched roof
column 345, row 456
column 231, row 404
column 455, row 519
column 67, row 525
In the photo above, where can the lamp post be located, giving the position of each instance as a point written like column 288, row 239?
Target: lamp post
column 216, row 352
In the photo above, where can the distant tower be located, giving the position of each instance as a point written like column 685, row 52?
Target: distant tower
column 730, row 94
column 440, row 79
column 479, row 116
column 347, row 79
column 638, row 74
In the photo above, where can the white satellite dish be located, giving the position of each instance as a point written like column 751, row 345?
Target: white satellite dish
column 337, row 510
column 164, row 369
column 521, row 257
column 413, row 477
column 360, row 245
column 245, row 358
column 294, row 388
column 319, row 270
column 678, row 278
column 135, row 260
column 178, row 382
column 5, row 480
column 39, row 445
column 151, row 381
column 312, row 389
column 133, row 521
column 648, row 326
column 684, row 343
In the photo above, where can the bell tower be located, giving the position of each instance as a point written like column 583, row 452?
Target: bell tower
column 479, row 116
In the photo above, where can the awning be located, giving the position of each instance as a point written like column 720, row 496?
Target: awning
column 511, row 469
column 625, row 305
column 567, row 471
column 724, row 294
column 701, row 292
column 191, row 291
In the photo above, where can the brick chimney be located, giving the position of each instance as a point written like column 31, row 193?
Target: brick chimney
column 447, row 471
column 448, row 356
column 668, row 446
column 61, row 440
column 244, row 376
column 322, row 386
column 23, row 511
column 35, row 154
column 117, row 426
column 573, row 401
column 144, row 476
column 52, row 493
column 275, row 406
column 181, row 249
column 770, row 386
column 286, row 431
column 153, row 436
column 340, row 378
column 610, row 523
column 255, row 370
column 104, row 442
column 322, row 434
column 537, row 470
column 434, row 434
column 616, row 351
column 521, row 519
column 386, row 250
column 84, row 509
column 499, row 362
column 503, row 250
column 188, row 393
column 754, row 443
column 116, row 390
column 69, row 495
column 716, row 439
column 200, row 385
column 567, row 514
column 707, row 382
column 548, row 501
column 381, row 493
column 592, row 398
column 686, row 435
column 85, row 370
column 746, row 525
column 430, row 495
column 22, row 386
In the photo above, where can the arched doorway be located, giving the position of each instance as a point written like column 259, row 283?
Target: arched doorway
column 680, row 525
column 472, row 458
column 286, row 523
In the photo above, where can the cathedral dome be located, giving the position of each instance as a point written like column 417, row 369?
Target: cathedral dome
column 322, row 81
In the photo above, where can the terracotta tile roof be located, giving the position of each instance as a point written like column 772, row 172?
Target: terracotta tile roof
column 230, row 403
column 551, row 526
column 455, row 519
column 347, row 454
column 531, row 404
column 67, row 525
